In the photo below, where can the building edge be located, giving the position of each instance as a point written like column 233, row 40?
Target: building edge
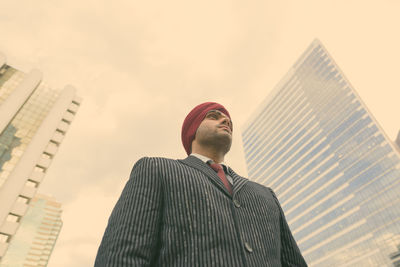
column 3, row 59
column 261, row 106
column 18, row 97
column 357, row 96
column 15, row 185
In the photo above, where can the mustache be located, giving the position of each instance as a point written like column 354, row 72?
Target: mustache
column 225, row 126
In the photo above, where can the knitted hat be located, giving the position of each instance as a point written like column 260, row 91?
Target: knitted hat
column 193, row 120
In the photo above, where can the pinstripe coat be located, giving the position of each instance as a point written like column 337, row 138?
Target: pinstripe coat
column 178, row 213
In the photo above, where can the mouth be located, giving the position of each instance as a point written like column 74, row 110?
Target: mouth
column 226, row 128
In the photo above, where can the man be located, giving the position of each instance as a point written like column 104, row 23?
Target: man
column 196, row 212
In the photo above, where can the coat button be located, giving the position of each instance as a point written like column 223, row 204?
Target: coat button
column 248, row 247
column 236, row 203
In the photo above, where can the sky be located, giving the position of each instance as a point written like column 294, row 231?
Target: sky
column 141, row 66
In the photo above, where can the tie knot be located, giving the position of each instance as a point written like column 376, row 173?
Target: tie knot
column 221, row 174
column 216, row 167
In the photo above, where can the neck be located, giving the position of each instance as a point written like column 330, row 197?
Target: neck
column 215, row 155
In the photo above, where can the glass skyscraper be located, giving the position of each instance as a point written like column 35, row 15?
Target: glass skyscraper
column 37, row 234
column 335, row 172
column 34, row 119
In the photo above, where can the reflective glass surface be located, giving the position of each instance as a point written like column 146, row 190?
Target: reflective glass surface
column 36, row 236
column 9, row 80
column 333, row 169
column 19, row 132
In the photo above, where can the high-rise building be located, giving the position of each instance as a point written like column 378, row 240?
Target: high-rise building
column 334, row 170
column 37, row 234
column 396, row 257
column 33, row 121
column 397, row 141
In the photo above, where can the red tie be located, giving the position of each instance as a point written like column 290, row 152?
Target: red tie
column 220, row 172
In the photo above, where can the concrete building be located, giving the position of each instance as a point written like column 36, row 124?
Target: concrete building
column 33, row 121
column 37, row 234
column 334, row 170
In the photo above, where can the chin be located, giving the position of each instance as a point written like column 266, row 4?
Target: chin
column 225, row 144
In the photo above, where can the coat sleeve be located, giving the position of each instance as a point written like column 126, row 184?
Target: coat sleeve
column 132, row 234
column 290, row 252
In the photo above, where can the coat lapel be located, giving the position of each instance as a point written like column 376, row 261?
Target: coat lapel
column 238, row 181
column 198, row 164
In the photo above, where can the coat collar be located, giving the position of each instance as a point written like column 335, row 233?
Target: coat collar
column 238, row 181
column 198, row 164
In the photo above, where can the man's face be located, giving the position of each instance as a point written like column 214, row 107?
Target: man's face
column 215, row 130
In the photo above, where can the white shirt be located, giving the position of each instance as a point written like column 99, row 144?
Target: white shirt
column 206, row 160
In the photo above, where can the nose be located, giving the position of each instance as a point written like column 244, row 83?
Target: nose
column 226, row 121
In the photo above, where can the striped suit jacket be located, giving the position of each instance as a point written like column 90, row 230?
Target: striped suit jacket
column 179, row 213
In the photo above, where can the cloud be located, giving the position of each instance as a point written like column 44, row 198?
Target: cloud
column 140, row 66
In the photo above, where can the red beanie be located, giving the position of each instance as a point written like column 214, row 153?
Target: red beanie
column 193, row 120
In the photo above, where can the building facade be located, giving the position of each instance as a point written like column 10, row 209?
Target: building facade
column 37, row 234
column 397, row 141
column 33, row 121
column 335, row 172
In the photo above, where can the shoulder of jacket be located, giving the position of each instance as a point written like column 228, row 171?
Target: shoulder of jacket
column 265, row 188
column 260, row 185
column 156, row 160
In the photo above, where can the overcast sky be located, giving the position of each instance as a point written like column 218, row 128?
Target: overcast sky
column 140, row 67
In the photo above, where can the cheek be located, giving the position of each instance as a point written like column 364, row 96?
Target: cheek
column 205, row 129
column 199, row 131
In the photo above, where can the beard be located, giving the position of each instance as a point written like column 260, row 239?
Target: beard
column 218, row 141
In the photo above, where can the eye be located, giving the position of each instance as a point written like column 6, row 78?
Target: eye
column 212, row 115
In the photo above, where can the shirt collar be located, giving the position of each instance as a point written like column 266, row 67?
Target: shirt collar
column 206, row 159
